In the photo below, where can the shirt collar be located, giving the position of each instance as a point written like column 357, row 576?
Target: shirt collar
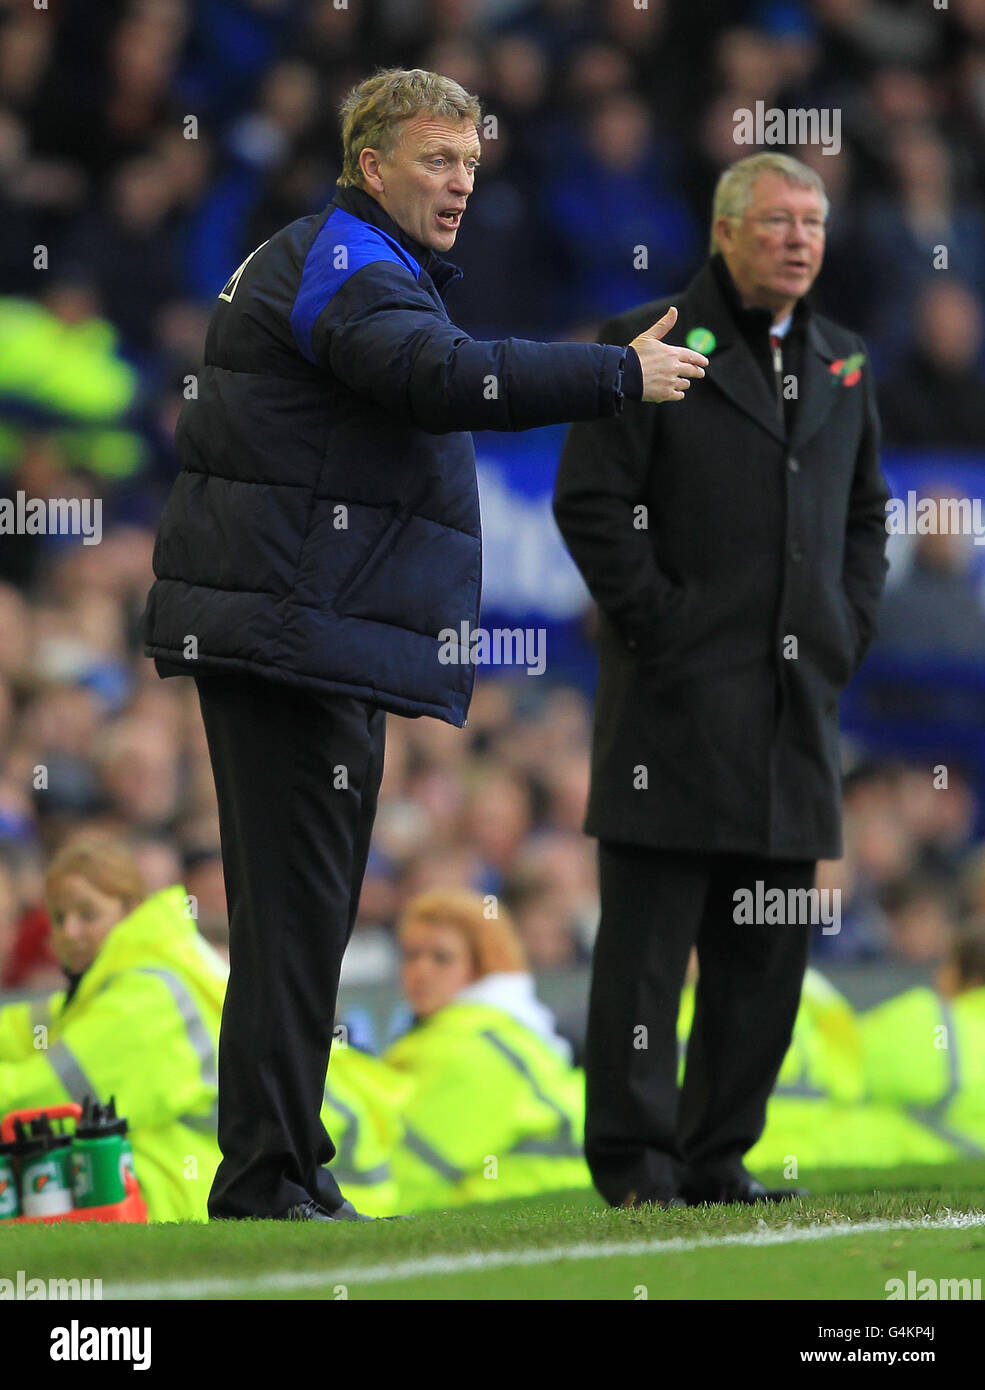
column 362, row 204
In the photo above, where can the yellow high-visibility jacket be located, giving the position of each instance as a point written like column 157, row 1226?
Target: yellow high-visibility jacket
column 927, row 1054
column 495, row 1112
column 363, row 1106
column 142, row 1026
column 818, row 1115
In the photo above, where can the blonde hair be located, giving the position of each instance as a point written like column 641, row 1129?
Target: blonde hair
column 374, row 110
column 103, row 860
column 733, row 192
column 493, row 942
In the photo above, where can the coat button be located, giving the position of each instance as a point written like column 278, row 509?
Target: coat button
column 631, row 643
column 794, row 465
column 796, row 554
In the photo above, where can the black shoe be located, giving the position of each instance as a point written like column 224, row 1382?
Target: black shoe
column 749, row 1194
column 311, row 1211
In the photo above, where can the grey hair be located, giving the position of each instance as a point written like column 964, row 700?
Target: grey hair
column 733, row 192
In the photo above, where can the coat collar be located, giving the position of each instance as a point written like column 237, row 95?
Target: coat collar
column 712, row 301
column 361, row 204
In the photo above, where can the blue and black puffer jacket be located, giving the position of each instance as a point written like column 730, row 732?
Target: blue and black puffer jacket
column 324, row 527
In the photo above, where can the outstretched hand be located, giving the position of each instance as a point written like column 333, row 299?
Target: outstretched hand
column 667, row 370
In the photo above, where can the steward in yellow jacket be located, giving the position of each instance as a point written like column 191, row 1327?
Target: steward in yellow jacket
column 924, row 1051
column 497, row 1111
column 142, row 1025
column 71, row 374
column 364, row 1099
column 818, row 1115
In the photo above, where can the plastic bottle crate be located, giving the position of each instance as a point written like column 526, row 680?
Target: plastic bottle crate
column 132, row 1208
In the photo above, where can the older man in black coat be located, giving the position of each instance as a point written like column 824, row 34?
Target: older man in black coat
column 735, row 548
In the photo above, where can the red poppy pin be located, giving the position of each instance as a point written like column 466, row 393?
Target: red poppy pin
column 848, row 369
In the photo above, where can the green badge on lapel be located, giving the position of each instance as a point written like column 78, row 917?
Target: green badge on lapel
column 701, row 340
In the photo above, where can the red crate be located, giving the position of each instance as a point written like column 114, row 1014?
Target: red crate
column 132, row 1208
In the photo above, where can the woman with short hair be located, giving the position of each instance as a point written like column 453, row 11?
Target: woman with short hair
column 497, row 1110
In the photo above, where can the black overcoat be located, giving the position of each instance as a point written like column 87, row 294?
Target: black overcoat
column 737, row 573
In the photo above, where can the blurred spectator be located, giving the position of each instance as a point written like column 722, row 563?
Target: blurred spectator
column 927, row 216
column 497, row 817
column 937, row 395
column 8, row 926
column 940, row 817
column 626, row 234
column 138, row 1020
column 158, row 862
column 878, row 850
column 935, row 608
column 128, row 247
column 491, row 1073
column 138, row 773
column 921, row 920
column 971, row 885
column 925, row 1049
column 544, row 927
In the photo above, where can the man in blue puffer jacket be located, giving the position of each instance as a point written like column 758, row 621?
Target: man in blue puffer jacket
column 322, row 533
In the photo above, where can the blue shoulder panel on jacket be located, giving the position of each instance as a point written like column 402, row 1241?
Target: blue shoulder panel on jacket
column 322, row 278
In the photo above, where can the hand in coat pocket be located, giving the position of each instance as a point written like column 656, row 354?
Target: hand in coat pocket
column 659, row 654
column 836, row 651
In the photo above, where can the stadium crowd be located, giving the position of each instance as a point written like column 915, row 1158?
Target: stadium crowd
column 147, row 146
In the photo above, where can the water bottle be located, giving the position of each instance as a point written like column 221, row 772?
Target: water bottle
column 45, row 1185
column 101, row 1156
column 10, row 1199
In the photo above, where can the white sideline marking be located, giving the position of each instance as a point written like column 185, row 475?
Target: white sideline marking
column 502, row 1259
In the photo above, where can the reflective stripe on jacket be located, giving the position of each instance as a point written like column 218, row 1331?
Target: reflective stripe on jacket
column 495, row 1112
column 143, row 1027
column 926, row 1054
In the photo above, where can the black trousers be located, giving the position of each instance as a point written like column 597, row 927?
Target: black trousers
column 297, row 775
column 644, row 1136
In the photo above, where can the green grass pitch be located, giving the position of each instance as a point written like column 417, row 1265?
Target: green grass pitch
column 855, row 1231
